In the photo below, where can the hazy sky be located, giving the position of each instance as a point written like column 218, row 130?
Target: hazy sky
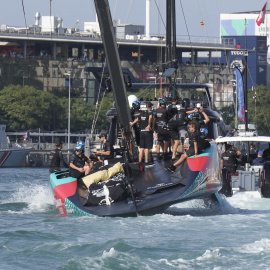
column 131, row 11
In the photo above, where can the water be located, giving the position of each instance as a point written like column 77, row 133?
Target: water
column 188, row 236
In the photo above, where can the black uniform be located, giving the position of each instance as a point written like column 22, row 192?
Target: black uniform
column 107, row 146
column 174, row 123
column 162, row 118
column 78, row 162
column 56, row 157
column 134, row 115
column 266, row 154
column 195, row 137
column 172, row 110
column 146, row 136
column 229, row 160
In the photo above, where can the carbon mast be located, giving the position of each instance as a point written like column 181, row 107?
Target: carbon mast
column 116, row 75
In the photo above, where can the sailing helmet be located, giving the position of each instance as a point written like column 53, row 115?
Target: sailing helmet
column 81, row 143
column 80, row 146
column 194, row 116
column 59, row 143
column 131, row 99
column 136, row 104
column 162, row 100
column 204, row 132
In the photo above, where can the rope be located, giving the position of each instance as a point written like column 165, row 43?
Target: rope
column 160, row 14
column 131, row 2
column 185, row 22
column 25, row 19
column 99, row 90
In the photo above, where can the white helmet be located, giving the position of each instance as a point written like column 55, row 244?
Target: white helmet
column 131, row 99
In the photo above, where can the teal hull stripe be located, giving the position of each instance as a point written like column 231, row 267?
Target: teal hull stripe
column 73, row 210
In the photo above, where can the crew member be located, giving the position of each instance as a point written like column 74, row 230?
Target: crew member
column 228, row 158
column 108, row 150
column 173, row 132
column 56, row 158
column 135, row 114
column 228, row 166
column 266, row 153
column 174, row 123
column 196, row 146
column 79, row 165
column 172, row 108
column 146, row 133
column 161, row 119
column 259, row 160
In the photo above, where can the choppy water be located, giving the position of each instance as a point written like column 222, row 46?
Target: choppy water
column 188, row 236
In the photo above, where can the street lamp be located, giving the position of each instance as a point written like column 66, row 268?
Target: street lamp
column 155, row 78
column 68, row 74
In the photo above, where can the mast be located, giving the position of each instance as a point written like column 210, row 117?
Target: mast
column 170, row 42
column 113, row 61
column 170, row 33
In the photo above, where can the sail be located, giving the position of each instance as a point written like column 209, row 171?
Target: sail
column 240, row 95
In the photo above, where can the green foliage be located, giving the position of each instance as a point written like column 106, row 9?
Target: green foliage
column 258, row 109
column 228, row 115
column 26, row 108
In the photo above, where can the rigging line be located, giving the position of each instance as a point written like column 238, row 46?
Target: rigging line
column 185, row 22
column 98, row 113
column 114, row 9
column 131, row 2
column 93, row 9
column 201, row 11
column 160, row 15
column 25, row 20
column 99, row 90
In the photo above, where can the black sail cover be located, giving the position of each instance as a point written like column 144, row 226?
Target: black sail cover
column 113, row 61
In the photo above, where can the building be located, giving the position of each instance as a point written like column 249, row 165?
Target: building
column 242, row 27
column 39, row 55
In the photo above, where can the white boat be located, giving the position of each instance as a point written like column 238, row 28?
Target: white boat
column 11, row 155
column 248, row 178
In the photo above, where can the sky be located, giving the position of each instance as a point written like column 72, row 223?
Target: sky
column 131, row 12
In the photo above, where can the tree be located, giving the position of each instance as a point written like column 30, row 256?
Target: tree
column 258, row 104
column 228, row 115
column 25, row 108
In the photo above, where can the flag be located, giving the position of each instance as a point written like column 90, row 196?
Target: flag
column 240, row 95
column 201, row 23
column 26, row 135
column 261, row 16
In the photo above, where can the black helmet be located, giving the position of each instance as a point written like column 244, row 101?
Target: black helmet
column 185, row 102
column 58, row 144
column 136, row 104
column 162, row 100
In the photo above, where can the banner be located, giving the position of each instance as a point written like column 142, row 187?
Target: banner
column 240, row 95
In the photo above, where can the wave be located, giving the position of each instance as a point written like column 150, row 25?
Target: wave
column 28, row 198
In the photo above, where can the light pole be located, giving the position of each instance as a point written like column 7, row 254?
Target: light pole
column 68, row 74
column 155, row 78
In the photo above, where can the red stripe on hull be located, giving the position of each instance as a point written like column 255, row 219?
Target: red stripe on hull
column 4, row 157
column 199, row 163
column 62, row 192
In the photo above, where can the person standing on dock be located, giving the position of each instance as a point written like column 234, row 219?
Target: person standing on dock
column 56, row 158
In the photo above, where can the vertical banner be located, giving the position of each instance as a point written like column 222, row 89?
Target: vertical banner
column 240, row 95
